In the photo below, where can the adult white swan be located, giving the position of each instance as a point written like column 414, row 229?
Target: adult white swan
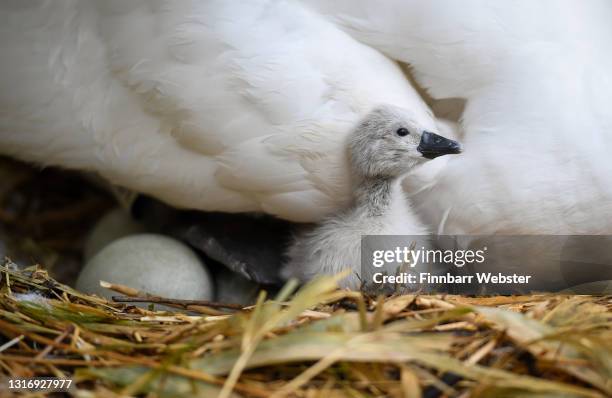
column 209, row 105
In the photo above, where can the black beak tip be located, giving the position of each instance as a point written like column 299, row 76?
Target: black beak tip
column 434, row 145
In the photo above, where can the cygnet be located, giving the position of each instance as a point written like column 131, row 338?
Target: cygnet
column 385, row 145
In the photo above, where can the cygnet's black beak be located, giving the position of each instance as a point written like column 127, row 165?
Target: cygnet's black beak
column 434, row 145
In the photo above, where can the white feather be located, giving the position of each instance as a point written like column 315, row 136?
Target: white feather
column 209, row 105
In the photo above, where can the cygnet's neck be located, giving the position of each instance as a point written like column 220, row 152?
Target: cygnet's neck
column 376, row 195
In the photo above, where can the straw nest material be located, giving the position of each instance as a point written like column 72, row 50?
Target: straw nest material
column 317, row 341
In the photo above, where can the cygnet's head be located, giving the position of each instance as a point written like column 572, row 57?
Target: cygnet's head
column 389, row 142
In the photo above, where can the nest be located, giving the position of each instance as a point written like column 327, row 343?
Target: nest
column 308, row 342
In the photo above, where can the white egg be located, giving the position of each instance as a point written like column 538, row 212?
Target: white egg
column 151, row 263
column 115, row 224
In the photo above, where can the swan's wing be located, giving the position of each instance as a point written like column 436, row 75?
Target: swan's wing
column 259, row 88
column 62, row 105
column 206, row 105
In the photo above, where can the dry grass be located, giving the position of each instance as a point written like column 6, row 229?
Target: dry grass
column 316, row 342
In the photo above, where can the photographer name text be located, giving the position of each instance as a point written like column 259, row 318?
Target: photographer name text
column 426, row 277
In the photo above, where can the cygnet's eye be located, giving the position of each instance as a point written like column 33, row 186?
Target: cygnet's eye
column 402, row 132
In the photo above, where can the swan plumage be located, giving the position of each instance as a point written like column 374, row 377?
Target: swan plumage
column 208, row 105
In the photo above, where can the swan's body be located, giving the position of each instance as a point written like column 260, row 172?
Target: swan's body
column 379, row 157
column 208, row 105
column 537, row 77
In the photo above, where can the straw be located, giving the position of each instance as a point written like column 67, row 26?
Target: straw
column 316, row 341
